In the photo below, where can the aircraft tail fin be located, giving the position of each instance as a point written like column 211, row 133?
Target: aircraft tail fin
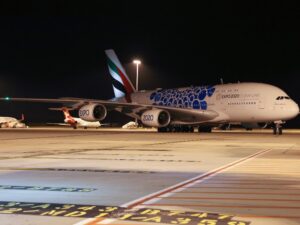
column 66, row 113
column 65, row 110
column 121, row 83
column 22, row 118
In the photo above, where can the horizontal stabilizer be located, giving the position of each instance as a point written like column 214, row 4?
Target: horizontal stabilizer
column 61, row 109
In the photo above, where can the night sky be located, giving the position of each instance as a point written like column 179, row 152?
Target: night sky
column 56, row 48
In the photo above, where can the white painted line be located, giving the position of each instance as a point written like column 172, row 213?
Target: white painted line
column 151, row 198
column 179, row 190
column 167, row 194
column 204, row 176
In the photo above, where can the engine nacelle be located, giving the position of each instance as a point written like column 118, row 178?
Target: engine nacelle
column 156, row 118
column 92, row 112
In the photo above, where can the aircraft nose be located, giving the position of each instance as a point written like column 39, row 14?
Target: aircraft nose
column 294, row 109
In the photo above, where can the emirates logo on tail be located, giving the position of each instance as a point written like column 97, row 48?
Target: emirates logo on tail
column 122, row 86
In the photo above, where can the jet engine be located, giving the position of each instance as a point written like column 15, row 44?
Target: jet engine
column 92, row 112
column 156, row 118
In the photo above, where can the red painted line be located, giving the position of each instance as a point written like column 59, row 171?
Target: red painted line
column 251, row 179
column 227, row 206
column 254, row 188
column 269, row 216
column 198, row 178
column 236, row 193
column 266, row 183
column 95, row 221
column 232, row 199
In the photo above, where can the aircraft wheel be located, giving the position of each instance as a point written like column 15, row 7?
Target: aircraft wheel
column 172, row 129
column 204, row 129
column 277, row 129
column 162, row 129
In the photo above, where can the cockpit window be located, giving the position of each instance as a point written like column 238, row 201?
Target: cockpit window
column 282, row 97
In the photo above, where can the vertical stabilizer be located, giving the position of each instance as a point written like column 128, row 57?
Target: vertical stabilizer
column 66, row 113
column 121, row 83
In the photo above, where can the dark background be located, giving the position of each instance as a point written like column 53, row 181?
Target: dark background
column 56, row 48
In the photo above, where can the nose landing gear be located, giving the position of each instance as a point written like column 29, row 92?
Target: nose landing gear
column 277, row 128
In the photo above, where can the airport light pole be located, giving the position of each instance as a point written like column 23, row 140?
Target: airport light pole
column 137, row 63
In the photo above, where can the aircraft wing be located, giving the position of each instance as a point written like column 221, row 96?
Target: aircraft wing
column 179, row 115
column 59, row 124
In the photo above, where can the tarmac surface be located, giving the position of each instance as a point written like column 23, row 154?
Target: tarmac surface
column 62, row 176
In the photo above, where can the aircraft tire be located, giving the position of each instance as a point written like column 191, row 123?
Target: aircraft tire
column 204, row 129
column 277, row 129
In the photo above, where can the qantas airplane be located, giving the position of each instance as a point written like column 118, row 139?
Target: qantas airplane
column 183, row 109
column 76, row 122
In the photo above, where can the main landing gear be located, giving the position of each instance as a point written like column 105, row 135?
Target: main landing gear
column 176, row 129
column 204, row 129
column 185, row 129
column 277, row 128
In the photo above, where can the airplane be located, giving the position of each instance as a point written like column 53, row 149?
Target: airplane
column 130, row 125
column 10, row 122
column 183, row 109
column 76, row 122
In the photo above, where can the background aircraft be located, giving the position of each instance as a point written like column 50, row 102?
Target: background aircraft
column 76, row 122
column 182, row 109
column 130, row 125
column 10, row 122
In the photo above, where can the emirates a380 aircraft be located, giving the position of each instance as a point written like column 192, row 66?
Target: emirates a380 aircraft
column 182, row 109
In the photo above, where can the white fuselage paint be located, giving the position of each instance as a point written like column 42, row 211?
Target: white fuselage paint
column 10, row 122
column 82, row 123
column 240, row 102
